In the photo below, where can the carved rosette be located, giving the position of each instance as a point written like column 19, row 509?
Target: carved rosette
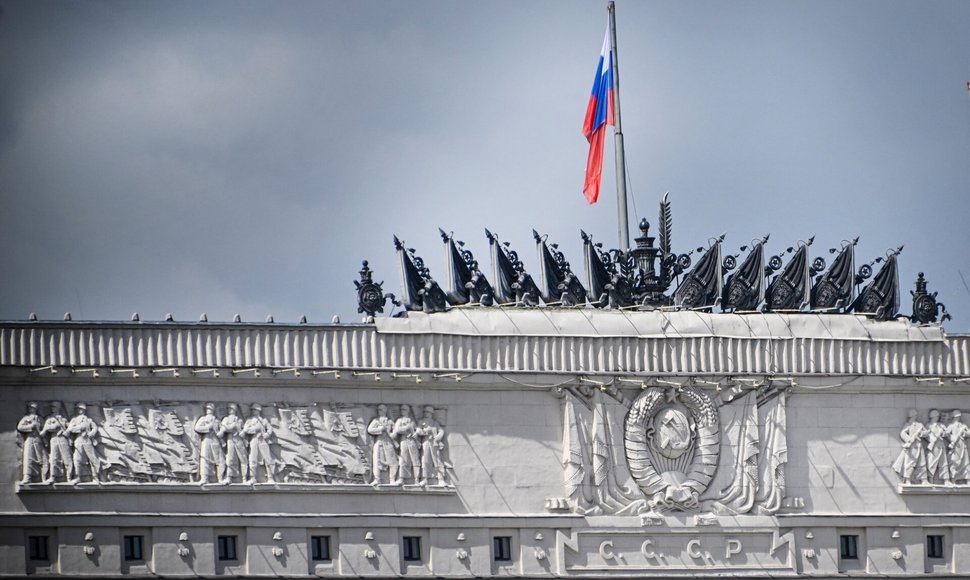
column 672, row 444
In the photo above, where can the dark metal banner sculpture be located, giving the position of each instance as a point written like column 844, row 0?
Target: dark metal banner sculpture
column 880, row 298
column 421, row 292
column 833, row 291
column 701, row 288
column 512, row 284
column 558, row 283
column 503, row 270
column 639, row 278
column 464, row 280
column 601, row 273
column 457, row 274
column 411, row 281
column 745, row 289
column 791, row 289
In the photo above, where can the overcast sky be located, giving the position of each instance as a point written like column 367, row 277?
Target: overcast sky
column 237, row 157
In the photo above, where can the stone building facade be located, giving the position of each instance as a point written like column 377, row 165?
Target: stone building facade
column 487, row 442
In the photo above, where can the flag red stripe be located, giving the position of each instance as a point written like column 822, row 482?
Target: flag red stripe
column 594, row 165
column 590, row 117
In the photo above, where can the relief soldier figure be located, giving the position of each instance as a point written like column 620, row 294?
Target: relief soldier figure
column 84, row 430
column 260, row 432
column 61, row 465
column 35, row 456
column 959, row 460
column 404, row 433
column 231, row 428
column 212, row 465
column 911, row 463
column 938, row 471
column 432, row 441
column 384, row 458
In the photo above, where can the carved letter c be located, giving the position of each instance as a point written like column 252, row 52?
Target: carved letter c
column 648, row 552
column 693, row 548
column 607, row 555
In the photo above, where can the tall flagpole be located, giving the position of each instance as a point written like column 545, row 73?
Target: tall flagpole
column 618, row 139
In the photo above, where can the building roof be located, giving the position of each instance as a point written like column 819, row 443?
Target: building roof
column 473, row 340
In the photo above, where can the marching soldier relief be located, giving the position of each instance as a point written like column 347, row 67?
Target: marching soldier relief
column 934, row 453
column 142, row 444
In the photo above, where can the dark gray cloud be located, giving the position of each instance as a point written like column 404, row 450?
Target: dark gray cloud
column 244, row 157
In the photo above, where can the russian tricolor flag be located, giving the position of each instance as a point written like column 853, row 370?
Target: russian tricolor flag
column 599, row 114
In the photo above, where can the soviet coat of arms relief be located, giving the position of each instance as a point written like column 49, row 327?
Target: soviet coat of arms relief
column 674, row 448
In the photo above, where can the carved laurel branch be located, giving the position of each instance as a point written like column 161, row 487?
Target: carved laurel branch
column 636, row 444
column 701, row 407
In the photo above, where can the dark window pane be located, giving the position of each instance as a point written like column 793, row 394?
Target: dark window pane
column 934, row 546
column 37, row 547
column 849, row 547
column 412, row 548
column 502, row 548
column 227, row 547
column 320, row 547
column 133, row 548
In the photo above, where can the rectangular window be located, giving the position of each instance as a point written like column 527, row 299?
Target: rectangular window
column 411, row 547
column 320, row 548
column 502, row 548
column 934, row 546
column 37, row 548
column 227, row 547
column 849, row 547
column 133, row 547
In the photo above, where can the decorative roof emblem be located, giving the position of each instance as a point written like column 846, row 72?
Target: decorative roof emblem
column 370, row 295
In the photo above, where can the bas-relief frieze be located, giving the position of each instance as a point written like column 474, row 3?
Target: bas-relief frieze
column 168, row 443
column 934, row 455
column 674, row 448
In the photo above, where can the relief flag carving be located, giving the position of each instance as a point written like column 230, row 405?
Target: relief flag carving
column 597, row 479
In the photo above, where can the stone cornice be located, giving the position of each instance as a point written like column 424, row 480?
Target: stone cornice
column 772, row 345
